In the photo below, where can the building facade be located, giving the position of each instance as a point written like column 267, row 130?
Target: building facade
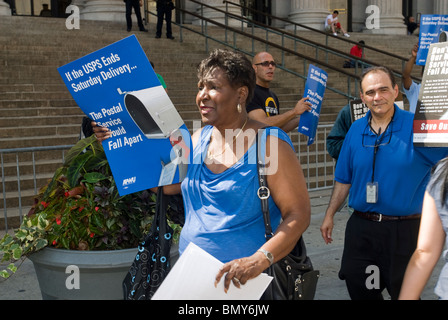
column 368, row 16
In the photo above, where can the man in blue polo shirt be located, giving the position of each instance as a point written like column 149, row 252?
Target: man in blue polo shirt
column 386, row 177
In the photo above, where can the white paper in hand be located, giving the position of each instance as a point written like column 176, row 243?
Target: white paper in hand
column 193, row 278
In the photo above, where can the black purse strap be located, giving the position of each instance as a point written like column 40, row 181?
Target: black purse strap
column 263, row 191
column 160, row 218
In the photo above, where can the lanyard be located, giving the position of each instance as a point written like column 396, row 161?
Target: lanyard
column 378, row 141
column 375, row 150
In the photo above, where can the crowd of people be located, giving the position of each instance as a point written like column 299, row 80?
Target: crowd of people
column 398, row 220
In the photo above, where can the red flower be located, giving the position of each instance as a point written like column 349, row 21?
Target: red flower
column 58, row 221
column 54, row 242
column 44, row 204
column 92, row 235
column 80, row 209
column 97, row 208
column 66, row 194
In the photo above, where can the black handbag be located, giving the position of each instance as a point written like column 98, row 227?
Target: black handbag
column 294, row 277
column 152, row 262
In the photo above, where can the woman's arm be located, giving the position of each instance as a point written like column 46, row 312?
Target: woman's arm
column 103, row 133
column 429, row 247
column 288, row 189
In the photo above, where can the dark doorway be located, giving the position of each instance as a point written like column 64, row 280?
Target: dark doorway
column 263, row 6
column 407, row 8
column 58, row 8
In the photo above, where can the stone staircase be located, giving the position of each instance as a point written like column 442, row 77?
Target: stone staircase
column 36, row 108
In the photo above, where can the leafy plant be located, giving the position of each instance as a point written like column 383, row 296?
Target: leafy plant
column 80, row 209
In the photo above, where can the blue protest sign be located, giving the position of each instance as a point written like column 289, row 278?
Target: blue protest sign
column 431, row 26
column 117, row 87
column 314, row 89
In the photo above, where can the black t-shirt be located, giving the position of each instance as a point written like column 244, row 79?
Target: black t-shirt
column 266, row 100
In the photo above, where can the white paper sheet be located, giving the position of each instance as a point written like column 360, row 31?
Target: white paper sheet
column 193, row 278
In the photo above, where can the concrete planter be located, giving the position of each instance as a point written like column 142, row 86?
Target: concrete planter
column 98, row 273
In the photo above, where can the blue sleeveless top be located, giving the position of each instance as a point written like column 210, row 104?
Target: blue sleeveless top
column 222, row 211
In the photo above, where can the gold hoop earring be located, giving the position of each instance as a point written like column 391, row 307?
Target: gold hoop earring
column 239, row 108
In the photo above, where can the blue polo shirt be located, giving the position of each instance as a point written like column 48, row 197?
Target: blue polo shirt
column 401, row 170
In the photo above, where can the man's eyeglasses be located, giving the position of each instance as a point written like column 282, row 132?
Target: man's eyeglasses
column 266, row 63
column 381, row 139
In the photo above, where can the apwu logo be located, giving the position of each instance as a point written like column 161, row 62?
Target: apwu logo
column 128, row 181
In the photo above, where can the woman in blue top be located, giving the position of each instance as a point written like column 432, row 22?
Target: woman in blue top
column 222, row 210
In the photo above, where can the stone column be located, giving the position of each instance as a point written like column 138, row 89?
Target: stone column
column 311, row 13
column 391, row 20
column 441, row 7
column 106, row 10
column 5, row 10
column 218, row 16
column 359, row 15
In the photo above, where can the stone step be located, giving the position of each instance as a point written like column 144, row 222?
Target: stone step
column 41, row 130
column 39, row 112
column 26, row 142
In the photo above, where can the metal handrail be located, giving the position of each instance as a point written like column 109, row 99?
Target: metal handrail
column 18, row 151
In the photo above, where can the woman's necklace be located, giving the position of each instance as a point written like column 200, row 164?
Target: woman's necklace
column 212, row 156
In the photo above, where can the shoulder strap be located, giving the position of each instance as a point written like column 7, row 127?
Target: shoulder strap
column 263, row 191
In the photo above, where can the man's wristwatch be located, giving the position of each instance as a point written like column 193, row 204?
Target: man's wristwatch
column 268, row 256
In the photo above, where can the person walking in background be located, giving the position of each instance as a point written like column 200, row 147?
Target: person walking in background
column 332, row 24
column 45, row 12
column 164, row 9
column 265, row 106
column 136, row 4
column 386, row 177
column 431, row 239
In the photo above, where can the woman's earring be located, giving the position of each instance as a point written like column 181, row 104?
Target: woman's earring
column 238, row 107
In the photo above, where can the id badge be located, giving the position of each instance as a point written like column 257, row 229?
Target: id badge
column 372, row 192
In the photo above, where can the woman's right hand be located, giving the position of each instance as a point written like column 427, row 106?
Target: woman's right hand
column 101, row 133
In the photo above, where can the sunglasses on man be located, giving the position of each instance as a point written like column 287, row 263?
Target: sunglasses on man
column 266, row 63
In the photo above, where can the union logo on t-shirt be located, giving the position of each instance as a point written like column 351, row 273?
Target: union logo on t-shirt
column 271, row 107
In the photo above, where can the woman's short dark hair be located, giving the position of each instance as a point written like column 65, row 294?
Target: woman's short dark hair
column 236, row 66
column 386, row 70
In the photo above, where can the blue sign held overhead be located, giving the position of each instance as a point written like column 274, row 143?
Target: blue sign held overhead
column 431, row 26
column 117, row 87
column 314, row 89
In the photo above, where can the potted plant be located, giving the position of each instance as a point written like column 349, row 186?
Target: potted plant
column 79, row 224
